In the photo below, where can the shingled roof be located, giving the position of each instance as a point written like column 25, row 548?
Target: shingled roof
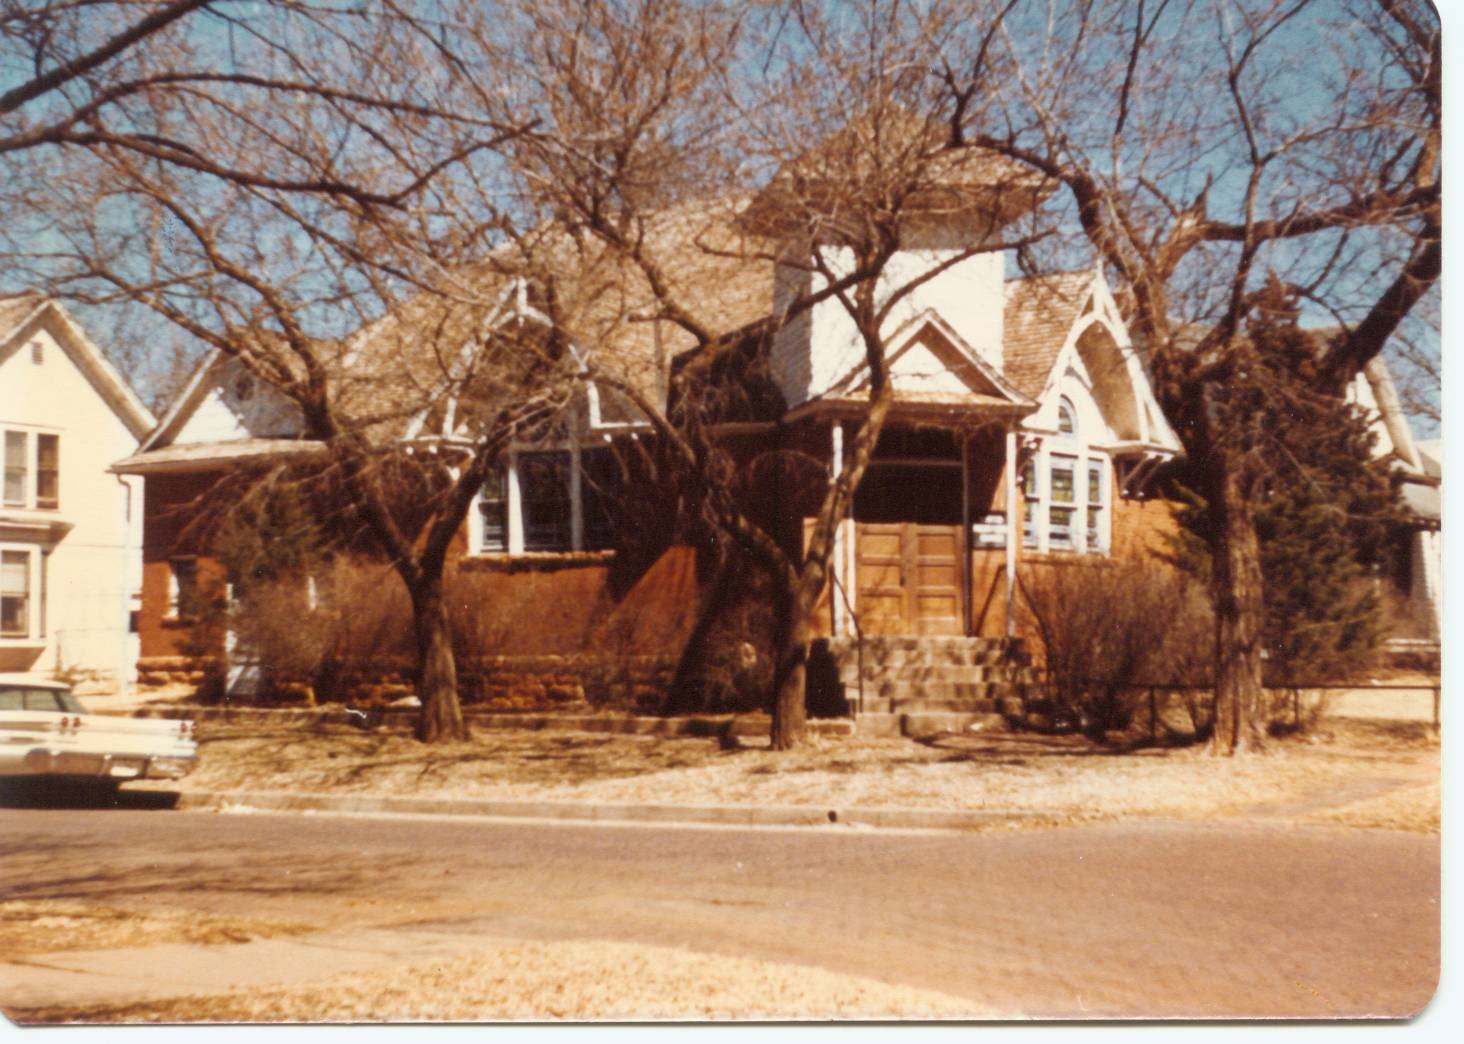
column 1038, row 314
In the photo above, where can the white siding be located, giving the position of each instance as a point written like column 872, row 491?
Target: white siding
column 95, row 567
column 237, row 406
column 811, row 355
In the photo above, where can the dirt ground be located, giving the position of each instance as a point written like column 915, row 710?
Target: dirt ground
column 1361, row 773
column 540, row 981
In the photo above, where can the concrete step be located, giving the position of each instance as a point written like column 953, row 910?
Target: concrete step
column 879, row 674
column 923, row 706
column 940, row 656
column 904, row 691
column 926, row 724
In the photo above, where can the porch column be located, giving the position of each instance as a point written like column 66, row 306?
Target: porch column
column 515, row 507
column 839, row 587
column 1014, row 531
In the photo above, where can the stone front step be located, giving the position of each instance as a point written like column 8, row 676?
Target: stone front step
column 923, row 675
column 850, row 672
column 1010, row 706
column 904, row 692
column 926, row 723
column 929, row 652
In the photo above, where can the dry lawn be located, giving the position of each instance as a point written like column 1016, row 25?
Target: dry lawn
column 551, row 981
column 1350, row 772
column 36, row 926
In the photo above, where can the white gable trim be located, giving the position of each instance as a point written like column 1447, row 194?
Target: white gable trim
column 187, row 399
column 906, row 336
column 1102, row 311
column 88, row 358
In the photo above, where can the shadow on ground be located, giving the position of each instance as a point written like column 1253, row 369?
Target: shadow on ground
column 58, row 794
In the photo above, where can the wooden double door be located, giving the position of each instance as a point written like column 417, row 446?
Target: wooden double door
column 908, row 578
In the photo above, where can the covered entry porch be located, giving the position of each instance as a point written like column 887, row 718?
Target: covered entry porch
column 929, row 548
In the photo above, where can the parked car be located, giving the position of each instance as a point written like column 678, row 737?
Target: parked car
column 46, row 733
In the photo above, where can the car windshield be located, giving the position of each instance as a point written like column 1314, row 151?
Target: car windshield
column 24, row 697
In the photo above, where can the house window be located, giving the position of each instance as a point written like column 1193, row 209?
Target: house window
column 1060, row 511
column 544, row 490
column 15, row 594
column 17, row 475
column 1030, row 499
column 28, row 454
column 1097, row 502
column 538, row 503
column 1067, row 419
column 493, row 512
column 599, row 476
column 48, row 471
column 183, row 593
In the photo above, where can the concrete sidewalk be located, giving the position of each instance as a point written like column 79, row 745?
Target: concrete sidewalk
column 580, row 811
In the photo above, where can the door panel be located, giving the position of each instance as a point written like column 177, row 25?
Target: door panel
column 937, row 579
column 908, row 578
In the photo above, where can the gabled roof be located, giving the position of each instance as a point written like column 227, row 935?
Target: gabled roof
column 21, row 315
column 960, row 359
column 1038, row 314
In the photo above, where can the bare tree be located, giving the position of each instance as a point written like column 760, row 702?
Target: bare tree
column 1200, row 154
column 279, row 186
column 694, row 157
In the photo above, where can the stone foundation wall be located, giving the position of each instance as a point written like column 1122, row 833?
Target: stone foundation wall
column 507, row 683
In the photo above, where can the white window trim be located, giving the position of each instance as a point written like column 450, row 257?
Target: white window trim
column 35, row 580
column 31, row 457
column 175, row 590
column 514, row 507
column 1082, row 455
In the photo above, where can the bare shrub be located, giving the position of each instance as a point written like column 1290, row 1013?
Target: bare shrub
column 1110, row 632
column 360, row 616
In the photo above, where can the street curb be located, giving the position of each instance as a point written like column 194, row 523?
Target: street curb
column 749, row 725
column 576, row 811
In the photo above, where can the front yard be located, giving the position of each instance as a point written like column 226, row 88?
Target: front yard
column 1372, row 774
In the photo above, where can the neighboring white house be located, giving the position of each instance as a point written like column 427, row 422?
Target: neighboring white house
column 70, row 531
column 1418, row 565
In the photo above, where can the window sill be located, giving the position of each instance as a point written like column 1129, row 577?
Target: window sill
column 22, row 642
column 527, row 560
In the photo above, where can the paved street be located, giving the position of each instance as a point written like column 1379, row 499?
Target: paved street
column 1225, row 918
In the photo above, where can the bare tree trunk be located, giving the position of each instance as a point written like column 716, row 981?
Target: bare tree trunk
column 441, row 717
column 790, row 676
column 1239, row 609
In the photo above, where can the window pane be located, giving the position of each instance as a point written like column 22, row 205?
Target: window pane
column 15, row 594
column 599, row 481
column 1066, row 420
column 48, row 470
column 1095, row 533
column 15, row 470
column 544, row 483
column 1060, row 528
column 1062, row 480
column 493, row 510
column 1095, row 482
column 185, row 588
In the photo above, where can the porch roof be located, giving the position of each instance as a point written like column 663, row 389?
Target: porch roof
column 925, row 404
column 209, row 456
